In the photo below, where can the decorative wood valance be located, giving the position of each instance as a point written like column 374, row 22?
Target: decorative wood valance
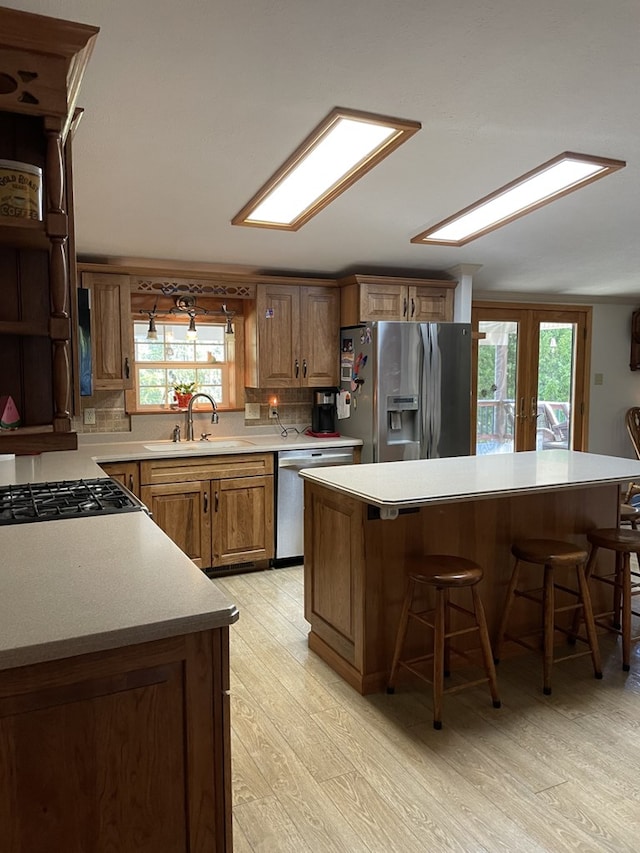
column 164, row 286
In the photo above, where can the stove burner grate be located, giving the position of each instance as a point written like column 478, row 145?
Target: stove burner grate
column 65, row 499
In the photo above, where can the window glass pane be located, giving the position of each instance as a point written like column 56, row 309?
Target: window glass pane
column 152, row 396
column 149, row 376
column 497, row 369
column 180, row 377
column 210, row 352
column 172, row 360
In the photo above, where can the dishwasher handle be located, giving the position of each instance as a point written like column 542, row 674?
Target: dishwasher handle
column 316, row 462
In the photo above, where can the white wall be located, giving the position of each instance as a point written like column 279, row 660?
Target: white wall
column 610, row 352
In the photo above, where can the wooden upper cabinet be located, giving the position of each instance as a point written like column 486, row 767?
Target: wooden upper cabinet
column 365, row 299
column 319, row 335
column 293, row 337
column 111, row 330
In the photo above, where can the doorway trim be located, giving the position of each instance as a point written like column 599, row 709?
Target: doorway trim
column 582, row 317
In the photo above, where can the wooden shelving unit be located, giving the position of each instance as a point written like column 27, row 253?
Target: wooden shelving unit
column 42, row 62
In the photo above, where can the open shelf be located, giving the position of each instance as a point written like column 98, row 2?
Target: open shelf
column 24, row 327
column 23, row 233
column 36, row 439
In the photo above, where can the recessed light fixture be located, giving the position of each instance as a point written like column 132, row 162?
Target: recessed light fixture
column 342, row 148
column 564, row 174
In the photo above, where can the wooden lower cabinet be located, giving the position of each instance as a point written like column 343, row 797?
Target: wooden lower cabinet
column 126, row 749
column 242, row 520
column 182, row 511
column 127, row 473
column 219, row 510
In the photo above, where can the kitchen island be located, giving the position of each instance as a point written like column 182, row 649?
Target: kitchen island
column 114, row 683
column 361, row 524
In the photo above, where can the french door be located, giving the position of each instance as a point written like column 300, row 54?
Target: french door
column 531, row 377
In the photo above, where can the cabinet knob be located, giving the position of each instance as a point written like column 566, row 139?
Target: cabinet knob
column 297, row 368
column 127, row 370
column 404, row 307
column 206, row 502
column 304, row 368
column 413, row 307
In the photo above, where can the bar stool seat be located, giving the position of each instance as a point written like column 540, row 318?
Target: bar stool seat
column 554, row 555
column 443, row 573
column 624, row 581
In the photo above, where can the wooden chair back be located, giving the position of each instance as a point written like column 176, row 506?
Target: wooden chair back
column 633, row 427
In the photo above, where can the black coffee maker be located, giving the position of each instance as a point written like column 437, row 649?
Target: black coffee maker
column 323, row 414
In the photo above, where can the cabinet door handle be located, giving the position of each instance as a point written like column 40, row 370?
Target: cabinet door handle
column 217, row 502
column 304, row 368
column 297, row 366
column 206, row 502
column 404, row 307
column 131, row 482
column 413, row 307
column 126, row 368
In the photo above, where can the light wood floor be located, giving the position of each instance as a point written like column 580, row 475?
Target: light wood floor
column 317, row 767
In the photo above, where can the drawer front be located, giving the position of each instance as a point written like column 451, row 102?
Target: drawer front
column 155, row 471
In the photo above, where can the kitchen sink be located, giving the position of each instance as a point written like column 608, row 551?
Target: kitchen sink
column 196, row 446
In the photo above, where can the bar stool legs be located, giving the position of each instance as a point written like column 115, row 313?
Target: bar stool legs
column 442, row 573
column 625, row 582
column 553, row 555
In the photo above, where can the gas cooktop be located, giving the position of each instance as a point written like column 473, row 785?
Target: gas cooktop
column 65, row 499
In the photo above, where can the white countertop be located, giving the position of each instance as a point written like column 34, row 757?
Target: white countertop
column 72, row 586
column 82, row 463
column 405, row 484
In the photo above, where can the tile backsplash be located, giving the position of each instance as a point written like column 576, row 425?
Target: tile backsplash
column 294, row 408
column 110, row 414
column 294, row 405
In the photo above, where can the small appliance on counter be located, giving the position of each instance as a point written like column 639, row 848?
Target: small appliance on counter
column 323, row 414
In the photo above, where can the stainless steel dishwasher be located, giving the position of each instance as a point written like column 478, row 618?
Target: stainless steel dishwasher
column 290, row 496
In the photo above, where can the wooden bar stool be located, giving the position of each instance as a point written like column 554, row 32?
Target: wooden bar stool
column 624, row 580
column 553, row 555
column 443, row 573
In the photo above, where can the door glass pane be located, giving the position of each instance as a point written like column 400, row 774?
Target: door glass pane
column 555, row 386
column 497, row 364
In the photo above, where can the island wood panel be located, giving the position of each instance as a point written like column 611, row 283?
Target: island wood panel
column 126, row 749
column 481, row 530
column 334, row 597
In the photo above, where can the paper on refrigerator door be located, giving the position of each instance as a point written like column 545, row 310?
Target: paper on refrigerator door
column 343, row 404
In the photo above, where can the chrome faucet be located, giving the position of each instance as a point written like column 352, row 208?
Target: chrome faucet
column 214, row 416
column 175, row 435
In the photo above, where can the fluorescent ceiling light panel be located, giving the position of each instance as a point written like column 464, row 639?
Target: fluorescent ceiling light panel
column 344, row 146
column 553, row 179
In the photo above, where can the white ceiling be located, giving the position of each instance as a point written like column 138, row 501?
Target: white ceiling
column 190, row 106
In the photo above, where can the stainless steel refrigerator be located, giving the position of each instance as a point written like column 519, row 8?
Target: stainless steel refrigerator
column 409, row 389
